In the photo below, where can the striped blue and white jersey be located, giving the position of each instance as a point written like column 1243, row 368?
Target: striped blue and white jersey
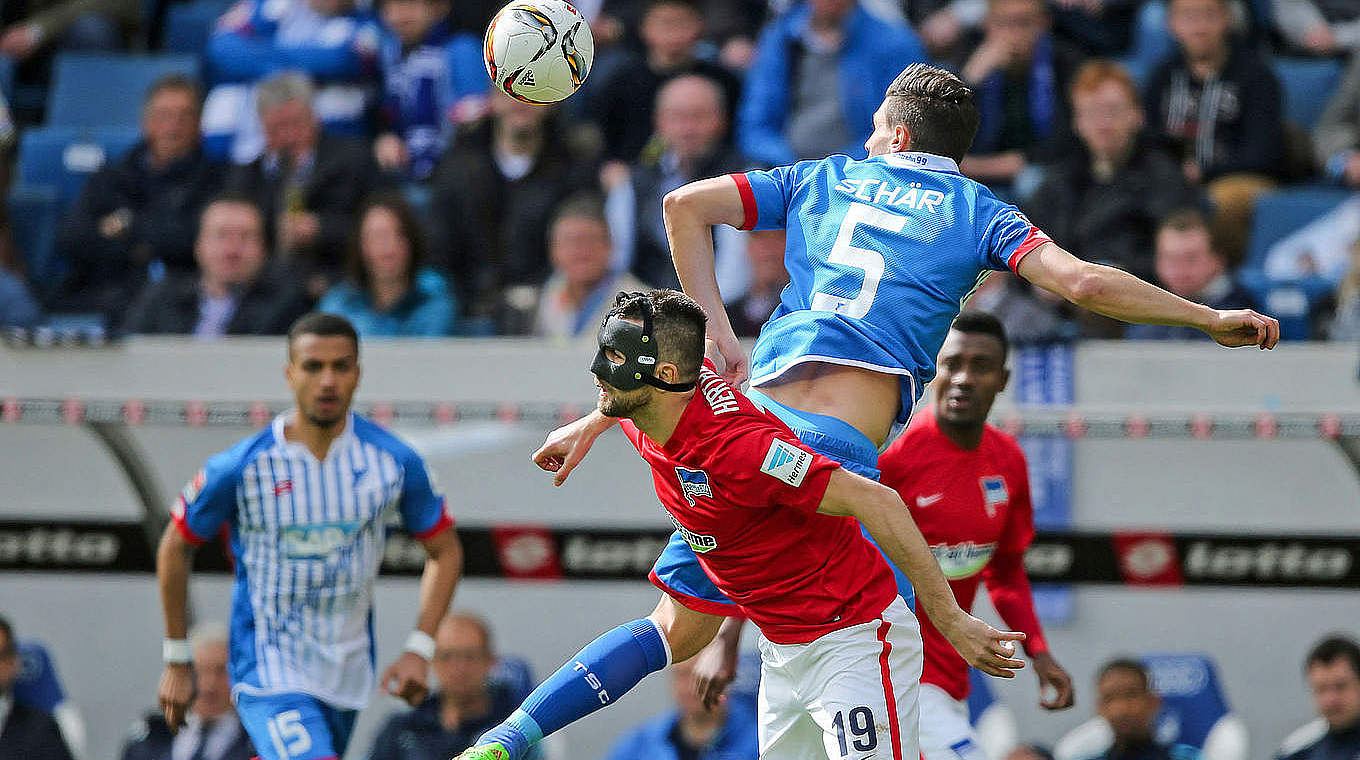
column 308, row 539
column 881, row 254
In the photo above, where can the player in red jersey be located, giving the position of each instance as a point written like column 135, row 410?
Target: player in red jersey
column 967, row 487
column 774, row 526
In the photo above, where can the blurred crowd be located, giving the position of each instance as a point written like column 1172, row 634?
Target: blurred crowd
column 352, row 157
column 476, row 687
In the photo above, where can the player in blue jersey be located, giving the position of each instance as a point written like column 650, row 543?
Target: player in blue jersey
column 306, row 503
column 881, row 254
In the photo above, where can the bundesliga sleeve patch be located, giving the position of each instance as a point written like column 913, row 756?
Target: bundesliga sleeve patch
column 786, row 462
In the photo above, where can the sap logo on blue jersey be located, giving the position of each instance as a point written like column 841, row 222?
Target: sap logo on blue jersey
column 994, row 493
column 911, row 196
column 693, row 483
column 317, row 539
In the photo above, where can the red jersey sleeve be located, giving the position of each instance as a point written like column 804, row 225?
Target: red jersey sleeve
column 1007, row 583
column 764, row 466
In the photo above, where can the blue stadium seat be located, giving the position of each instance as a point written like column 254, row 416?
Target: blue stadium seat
column 1152, row 42
column 188, row 25
column 1307, row 84
column 81, row 94
column 64, row 157
column 1278, row 214
column 33, row 218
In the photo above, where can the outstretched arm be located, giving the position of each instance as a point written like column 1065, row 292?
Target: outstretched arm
column 1118, row 294
column 881, row 511
column 406, row 678
column 690, row 213
column 567, row 445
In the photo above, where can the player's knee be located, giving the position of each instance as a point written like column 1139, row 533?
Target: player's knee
column 686, row 632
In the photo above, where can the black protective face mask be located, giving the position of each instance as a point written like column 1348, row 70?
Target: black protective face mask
column 636, row 344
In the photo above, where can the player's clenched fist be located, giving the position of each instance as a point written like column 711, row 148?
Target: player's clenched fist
column 567, row 445
column 982, row 646
column 1244, row 327
column 405, row 679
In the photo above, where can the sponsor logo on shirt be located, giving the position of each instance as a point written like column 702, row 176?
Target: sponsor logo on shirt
column 716, row 392
column 925, row 501
column 693, row 483
column 959, row 561
column 190, row 492
column 786, row 462
column 699, row 542
column 317, row 539
column 993, row 493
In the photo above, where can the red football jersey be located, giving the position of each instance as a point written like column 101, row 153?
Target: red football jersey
column 973, row 507
column 744, row 491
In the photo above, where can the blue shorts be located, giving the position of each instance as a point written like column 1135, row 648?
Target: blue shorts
column 677, row 570
column 295, row 726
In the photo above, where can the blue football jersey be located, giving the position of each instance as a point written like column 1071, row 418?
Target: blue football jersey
column 881, row 255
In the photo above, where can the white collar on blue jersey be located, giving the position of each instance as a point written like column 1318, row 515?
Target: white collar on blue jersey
column 928, row 161
column 282, row 440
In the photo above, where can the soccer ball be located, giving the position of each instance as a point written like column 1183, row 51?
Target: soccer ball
column 538, row 51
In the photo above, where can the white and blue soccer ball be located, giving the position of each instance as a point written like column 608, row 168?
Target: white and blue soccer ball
column 538, row 51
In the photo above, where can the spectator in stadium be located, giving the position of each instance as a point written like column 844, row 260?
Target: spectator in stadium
column 308, row 183
column 689, row 143
column 212, row 731
column 580, row 291
column 1024, row 311
column 819, row 73
column 691, row 730
column 765, row 254
column 140, row 212
column 30, row 27
column 389, row 291
column 1318, row 27
column 1189, row 264
column 433, row 79
column 24, row 732
column 233, row 293
column 1337, row 139
column 1333, row 672
column 1124, row 698
column 1345, row 320
column 622, row 91
column 467, row 704
column 493, row 196
column 1217, row 105
column 1020, row 74
column 332, row 41
column 1103, row 198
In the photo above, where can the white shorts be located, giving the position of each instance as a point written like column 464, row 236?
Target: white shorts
column 849, row 694
column 946, row 733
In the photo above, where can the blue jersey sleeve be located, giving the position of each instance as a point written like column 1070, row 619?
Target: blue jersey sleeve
column 1007, row 236
column 422, row 505
column 208, row 501
column 765, row 195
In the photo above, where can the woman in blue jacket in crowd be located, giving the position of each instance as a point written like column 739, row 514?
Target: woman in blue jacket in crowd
column 389, row 292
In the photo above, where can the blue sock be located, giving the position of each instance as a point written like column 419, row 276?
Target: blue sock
column 597, row 676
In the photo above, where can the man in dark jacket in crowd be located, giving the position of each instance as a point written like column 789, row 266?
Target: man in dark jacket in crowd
column 1217, row 105
column 233, row 294
column 1104, row 199
column 1333, row 672
column 24, row 731
column 140, row 213
column 308, row 184
column 494, row 194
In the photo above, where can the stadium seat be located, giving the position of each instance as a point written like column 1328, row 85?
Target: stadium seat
column 1151, row 42
column 81, row 95
column 33, row 218
column 39, row 688
column 1307, row 84
column 188, row 25
column 1194, row 712
column 65, row 157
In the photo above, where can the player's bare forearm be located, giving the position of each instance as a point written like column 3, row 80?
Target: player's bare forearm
column 1118, row 294
column 566, row 446
column 443, row 569
column 174, row 558
column 690, row 213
